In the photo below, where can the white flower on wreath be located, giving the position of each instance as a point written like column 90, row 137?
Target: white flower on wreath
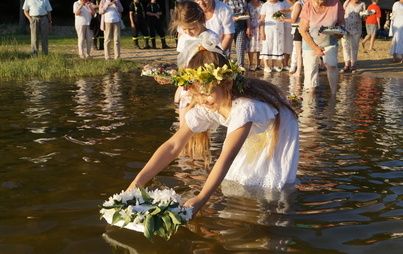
column 107, row 213
column 187, row 215
column 164, row 196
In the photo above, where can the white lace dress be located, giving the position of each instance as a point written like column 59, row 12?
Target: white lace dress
column 252, row 166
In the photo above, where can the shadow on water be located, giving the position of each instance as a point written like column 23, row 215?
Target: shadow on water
column 67, row 146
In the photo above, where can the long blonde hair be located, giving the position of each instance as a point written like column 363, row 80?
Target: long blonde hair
column 199, row 144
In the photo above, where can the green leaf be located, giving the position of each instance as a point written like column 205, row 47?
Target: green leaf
column 145, row 196
column 156, row 211
column 174, row 217
column 131, row 202
column 149, row 227
column 116, row 217
column 167, row 222
column 159, row 228
column 127, row 221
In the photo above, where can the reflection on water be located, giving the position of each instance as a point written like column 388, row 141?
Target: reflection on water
column 67, row 145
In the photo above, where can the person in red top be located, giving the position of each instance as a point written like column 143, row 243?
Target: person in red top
column 372, row 24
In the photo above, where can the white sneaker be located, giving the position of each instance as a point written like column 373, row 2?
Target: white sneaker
column 277, row 69
column 268, row 69
column 292, row 69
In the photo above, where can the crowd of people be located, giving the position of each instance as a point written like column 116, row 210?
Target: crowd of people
column 271, row 43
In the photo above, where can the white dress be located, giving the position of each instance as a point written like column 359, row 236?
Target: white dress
column 252, row 166
column 273, row 46
column 397, row 28
column 254, row 44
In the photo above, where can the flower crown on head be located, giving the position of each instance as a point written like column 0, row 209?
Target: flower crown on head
column 206, row 76
column 209, row 75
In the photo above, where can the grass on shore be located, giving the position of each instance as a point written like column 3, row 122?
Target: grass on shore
column 61, row 62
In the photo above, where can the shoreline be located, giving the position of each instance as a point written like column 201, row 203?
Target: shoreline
column 374, row 64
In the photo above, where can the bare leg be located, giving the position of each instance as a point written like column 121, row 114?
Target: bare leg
column 372, row 42
column 333, row 77
column 367, row 37
column 266, row 63
column 298, row 50
column 250, row 56
column 258, row 59
column 285, row 60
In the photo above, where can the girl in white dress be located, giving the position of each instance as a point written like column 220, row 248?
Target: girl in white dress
column 254, row 44
column 261, row 144
column 397, row 27
column 272, row 35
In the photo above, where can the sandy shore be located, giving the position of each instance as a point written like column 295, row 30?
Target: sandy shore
column 376, row 63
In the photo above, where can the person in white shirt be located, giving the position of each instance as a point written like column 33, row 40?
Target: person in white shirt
column 111, row 14
column 219, row 20
column 83, row 11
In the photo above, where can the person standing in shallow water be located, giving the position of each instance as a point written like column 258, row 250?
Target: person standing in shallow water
column 261, row 147
column 39, row 14
column 314, row 15
column 138, row 23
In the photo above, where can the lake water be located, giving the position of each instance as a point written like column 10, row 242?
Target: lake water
column 66, row 146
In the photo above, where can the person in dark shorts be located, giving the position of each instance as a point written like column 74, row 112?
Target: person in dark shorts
column 138, row 23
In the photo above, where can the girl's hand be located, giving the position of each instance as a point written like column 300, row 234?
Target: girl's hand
column 196, row 203
column 133, row 185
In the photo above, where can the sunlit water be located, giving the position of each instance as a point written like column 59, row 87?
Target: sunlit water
column 66, row 146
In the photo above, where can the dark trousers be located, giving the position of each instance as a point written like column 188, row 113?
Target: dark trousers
column 95, row 26
column 156, row 26
column 140, row 27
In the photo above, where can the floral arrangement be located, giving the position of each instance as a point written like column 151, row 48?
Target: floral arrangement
column 294, row 99
column 157, row 212
column 278, row 15
column 157, row 72
column 337, row 29
column 367, row 13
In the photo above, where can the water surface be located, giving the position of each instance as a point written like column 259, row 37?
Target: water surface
column 66, row 146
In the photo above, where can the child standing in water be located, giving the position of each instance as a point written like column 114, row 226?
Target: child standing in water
column 189, row 21
column 261, row 144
